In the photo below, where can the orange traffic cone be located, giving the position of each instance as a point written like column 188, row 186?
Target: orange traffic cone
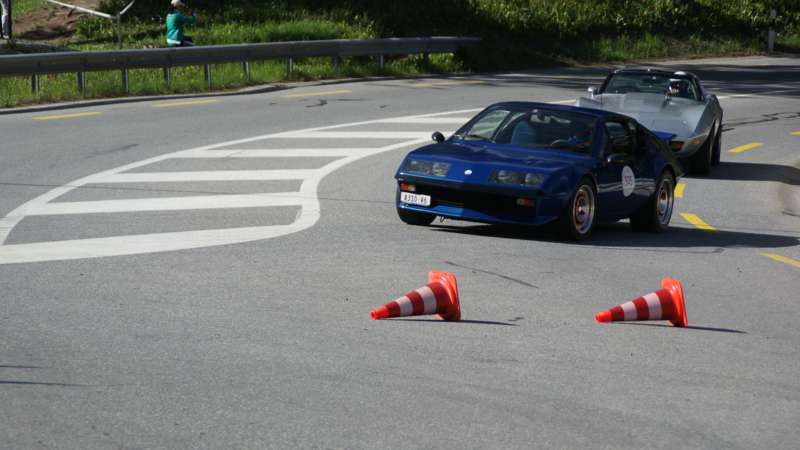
column 439, row 297
column 663, row 304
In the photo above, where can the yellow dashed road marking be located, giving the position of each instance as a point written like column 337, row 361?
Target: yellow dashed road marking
column 317, row 93
column 781, row 259
column 185, row 103
column 446, row 83
column 797, row 133
column 744, row 147
column 67, row 115
column 679, row 189
column 694, row 220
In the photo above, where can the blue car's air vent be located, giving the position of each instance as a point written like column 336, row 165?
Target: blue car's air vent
column 477, row 201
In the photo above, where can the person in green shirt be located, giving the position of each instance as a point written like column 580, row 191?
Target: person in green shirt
column 175, row 21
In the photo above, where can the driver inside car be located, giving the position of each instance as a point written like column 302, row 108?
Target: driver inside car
column 679, row 88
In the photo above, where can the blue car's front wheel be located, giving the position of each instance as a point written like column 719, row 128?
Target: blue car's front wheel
column 577, row 220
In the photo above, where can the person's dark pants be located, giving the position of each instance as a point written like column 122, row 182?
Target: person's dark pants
column 186, row 42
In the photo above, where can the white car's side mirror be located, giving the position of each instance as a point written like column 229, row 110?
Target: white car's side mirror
column 592, row 91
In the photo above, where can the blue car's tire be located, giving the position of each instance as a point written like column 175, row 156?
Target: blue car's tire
column 412, row 217
column 577, row 220
column 656, row 215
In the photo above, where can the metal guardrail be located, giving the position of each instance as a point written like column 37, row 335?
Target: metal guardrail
column 165, row 58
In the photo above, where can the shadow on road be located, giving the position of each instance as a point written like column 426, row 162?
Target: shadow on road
column 478, row 322
column 722, row 330
column 737, row 171
column 620, row 235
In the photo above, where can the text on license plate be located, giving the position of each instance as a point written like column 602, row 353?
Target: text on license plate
column 415, row 199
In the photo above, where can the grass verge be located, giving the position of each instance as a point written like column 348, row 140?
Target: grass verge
column 517, row 34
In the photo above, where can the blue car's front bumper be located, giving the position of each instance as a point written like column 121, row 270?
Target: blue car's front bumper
column 481, row 203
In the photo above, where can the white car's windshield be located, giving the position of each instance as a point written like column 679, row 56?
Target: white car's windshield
column 623, row 83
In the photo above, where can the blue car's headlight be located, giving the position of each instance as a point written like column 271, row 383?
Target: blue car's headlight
column 436, row 169
column 511, row 178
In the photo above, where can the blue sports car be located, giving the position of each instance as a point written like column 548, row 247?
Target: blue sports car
column 535, row 164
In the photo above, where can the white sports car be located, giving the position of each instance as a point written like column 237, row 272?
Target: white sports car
column 669, row 102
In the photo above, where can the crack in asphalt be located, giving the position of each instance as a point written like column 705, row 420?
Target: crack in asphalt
column 495, row 274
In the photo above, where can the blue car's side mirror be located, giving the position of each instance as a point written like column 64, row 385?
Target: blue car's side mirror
column 437, row 136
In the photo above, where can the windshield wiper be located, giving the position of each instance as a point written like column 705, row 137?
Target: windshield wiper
column 473, row 136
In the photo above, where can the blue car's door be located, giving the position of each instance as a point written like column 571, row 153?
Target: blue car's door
column 619, row 170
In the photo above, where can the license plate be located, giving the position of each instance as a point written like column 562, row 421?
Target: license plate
column 415, row 199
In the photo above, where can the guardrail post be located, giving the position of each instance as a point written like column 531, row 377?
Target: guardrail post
column 289, row 67
column 119, row 29
column 166, row 76
column 207, row 73
column 247, row 69
column 771, row 37
column 82, row 81
column 425, row 60
column 335, row 63
column 125, row 83
column 35, row 83
column 380, row 61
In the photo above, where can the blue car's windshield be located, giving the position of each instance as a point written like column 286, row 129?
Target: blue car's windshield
column 532, row 127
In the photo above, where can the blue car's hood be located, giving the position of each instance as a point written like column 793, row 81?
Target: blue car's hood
column 482, row 158
column 529, row 159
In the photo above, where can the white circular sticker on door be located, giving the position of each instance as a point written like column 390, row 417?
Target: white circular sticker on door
column 628, row 181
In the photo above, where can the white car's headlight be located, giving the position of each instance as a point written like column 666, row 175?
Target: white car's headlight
column 419, row 167
column 511, row 178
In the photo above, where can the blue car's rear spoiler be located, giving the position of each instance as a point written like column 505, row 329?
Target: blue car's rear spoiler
column 665, row 136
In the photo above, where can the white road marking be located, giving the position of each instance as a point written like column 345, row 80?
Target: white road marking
column 220, row 175
column 172, row 204
column 305, row 197
column 429, row 120
column 358, row 135
column 277, row 153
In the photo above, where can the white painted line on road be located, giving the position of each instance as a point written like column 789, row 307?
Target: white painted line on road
column 758, row 94
column 317, row 93
column 217, row 175
column 150, row 243
column 277, row 153
column 447, row 83
column 185, row 103
column 360, row 135
column 173, row 204
column 429, row 120
column 147, row 243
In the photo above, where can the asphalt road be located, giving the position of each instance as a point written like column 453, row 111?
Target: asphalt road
column 139, row 309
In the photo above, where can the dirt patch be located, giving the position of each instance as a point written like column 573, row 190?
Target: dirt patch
column 54, row 24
